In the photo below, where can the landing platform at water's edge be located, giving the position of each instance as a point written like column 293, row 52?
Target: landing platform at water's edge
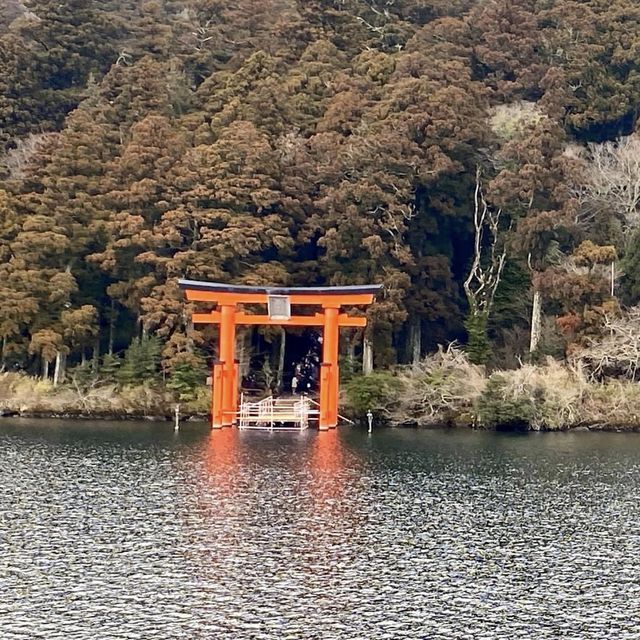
column 283, row 412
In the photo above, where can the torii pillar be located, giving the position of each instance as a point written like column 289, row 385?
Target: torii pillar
column 228, row 298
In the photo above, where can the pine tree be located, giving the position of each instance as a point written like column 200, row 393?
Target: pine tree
column 141, row 361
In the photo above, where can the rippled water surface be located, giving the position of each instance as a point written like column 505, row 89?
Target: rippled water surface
column 131, row 531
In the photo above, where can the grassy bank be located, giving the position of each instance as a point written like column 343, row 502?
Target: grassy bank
column 443, row 389
column 31, row 397
column 446, row 388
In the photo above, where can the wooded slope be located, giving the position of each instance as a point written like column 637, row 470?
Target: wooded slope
column 312, row 142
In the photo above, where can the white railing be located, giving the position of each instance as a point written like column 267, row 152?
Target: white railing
column 276, row 413
column 317, row 411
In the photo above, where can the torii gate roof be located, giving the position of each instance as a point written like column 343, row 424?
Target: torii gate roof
column 219, row 287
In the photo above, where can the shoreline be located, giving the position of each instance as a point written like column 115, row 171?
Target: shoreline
column 193, row 417
column 444, row 391
column 445, row 388
column 101, row 416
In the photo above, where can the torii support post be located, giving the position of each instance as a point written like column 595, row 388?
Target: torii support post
column 228, row 358
column 217, row 378
column 224, row 407
column 330, row 369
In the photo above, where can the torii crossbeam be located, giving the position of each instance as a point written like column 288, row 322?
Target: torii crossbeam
column 279, row 301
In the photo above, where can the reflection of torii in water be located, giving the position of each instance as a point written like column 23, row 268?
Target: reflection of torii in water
column 279, row 301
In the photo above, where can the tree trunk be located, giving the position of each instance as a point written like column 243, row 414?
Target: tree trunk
column 45, row 369
column 280, row 371
column 112, row 327
column 367, row 356
column 83, row 357
column 95, row 359
column 351, row 352
column 189, row 332
column 187, row 324
column 244, row 351
column 58, row 372
column 613, row 279
column 416, row 341
column 3, row 357
column 536, row 321
column 351, row 349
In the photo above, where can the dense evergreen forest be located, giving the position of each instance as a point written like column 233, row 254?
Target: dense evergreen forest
column 476, row 157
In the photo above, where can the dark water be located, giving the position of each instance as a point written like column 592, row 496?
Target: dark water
column 130, row 531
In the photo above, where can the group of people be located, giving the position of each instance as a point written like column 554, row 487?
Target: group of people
column 305, row 374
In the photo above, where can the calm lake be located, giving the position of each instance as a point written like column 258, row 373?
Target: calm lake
column 112, row 530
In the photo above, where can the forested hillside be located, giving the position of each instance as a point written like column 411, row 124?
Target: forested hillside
column 318, row 142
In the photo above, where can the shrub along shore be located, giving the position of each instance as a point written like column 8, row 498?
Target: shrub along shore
column 444, row 389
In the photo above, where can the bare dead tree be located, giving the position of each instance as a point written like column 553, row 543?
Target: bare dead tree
column 85, row 391
column 489, row 255
column 124, row 58
column 424, row 402
column 617, row 352
column 202, row 35
column 536, row 312
column 612, row 182
column 18, row 160
column 382, row 15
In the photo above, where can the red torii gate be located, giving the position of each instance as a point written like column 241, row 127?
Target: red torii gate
column 279, row 301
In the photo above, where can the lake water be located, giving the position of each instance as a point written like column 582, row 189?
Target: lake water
column 130, row 531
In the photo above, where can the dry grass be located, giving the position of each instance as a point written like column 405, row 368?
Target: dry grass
column 30, row 396
column 555, row 390
column 445, row 388
column 617, row 351
column 442, row 386
column 613, row 404
column 511, row 120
